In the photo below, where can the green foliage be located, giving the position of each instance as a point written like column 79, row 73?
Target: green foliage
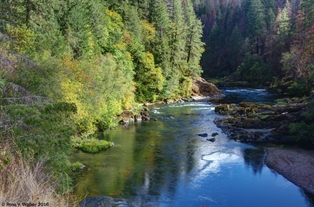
column 4, row 160
column 76, row 166
column 68, row 68
column 194, row 45
column 60, row 107
column 280, row 33
column 24, row 39
column 149, row 79
column 280, row 102
column 90, row 145
column 262, row 116
column 299, row 89
column 253, row 68
column 255, row 18
column 186, row 87
column 304, row 130
column 39, row 135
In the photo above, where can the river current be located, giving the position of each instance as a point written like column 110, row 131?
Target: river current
column 166, row 163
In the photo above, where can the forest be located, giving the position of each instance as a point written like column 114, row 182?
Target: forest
column 265, row 42
column 68, row 68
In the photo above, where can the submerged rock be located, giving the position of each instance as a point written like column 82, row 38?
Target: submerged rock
column 145, row 115
column 211, row 139
column 203, row 135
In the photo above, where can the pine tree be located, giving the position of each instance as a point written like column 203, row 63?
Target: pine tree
column 158, row 16
column 194, row 45
column 236, row 42
column 256, row 26
column 177, row 38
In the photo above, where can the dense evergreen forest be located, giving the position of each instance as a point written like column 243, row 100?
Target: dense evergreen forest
column 68, row 68
column 265, row 42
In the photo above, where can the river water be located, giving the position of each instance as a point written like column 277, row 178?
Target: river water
column 165, row 163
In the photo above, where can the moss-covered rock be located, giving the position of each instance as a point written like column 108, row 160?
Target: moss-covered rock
column 252, row 122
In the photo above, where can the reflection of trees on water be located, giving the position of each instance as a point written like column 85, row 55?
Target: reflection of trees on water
column 254, row 158
column 165, row 153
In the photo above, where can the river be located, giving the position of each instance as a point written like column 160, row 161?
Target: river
column 166, row 163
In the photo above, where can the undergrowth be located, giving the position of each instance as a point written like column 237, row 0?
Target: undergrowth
column 22, row 182
column 90, row 145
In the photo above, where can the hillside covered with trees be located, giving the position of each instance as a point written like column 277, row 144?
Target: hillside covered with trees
column 265, row 42
column 68, row 68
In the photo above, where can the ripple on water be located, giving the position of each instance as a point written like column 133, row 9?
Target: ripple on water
column 165, row 163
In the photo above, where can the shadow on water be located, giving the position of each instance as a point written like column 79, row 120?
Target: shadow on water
column 165, row 163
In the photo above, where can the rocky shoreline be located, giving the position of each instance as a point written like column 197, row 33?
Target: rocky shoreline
column 296, row 166
column 261, row 123
column 201, row 90
column 252, row 122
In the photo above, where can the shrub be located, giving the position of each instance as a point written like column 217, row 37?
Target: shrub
column 76, row 166
column 90, row 145
column 298, row 89
column 304, row 130
column 253, row 68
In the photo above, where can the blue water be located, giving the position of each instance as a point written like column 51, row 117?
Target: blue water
column 233, row 95
column 165, row 163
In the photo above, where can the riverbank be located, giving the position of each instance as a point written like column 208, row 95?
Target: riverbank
column 295, row 165
column 22, row 182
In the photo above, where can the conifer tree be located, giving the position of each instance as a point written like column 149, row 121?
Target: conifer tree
column 194, row 44
column 177, row 38
column 256, row 26
column 159, row 17
column 236, row 42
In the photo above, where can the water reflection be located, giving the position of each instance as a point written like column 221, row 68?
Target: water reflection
column 254, row 158
column 165, row 163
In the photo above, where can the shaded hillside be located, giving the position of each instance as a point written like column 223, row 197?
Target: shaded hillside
column 265, row 42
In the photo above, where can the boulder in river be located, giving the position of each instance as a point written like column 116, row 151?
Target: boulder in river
column 203, row 135
column 145, row 115
column 211, row 139
column 201, row 87
column 128, row 116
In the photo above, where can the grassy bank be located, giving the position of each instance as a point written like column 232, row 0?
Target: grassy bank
column 22, row 182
